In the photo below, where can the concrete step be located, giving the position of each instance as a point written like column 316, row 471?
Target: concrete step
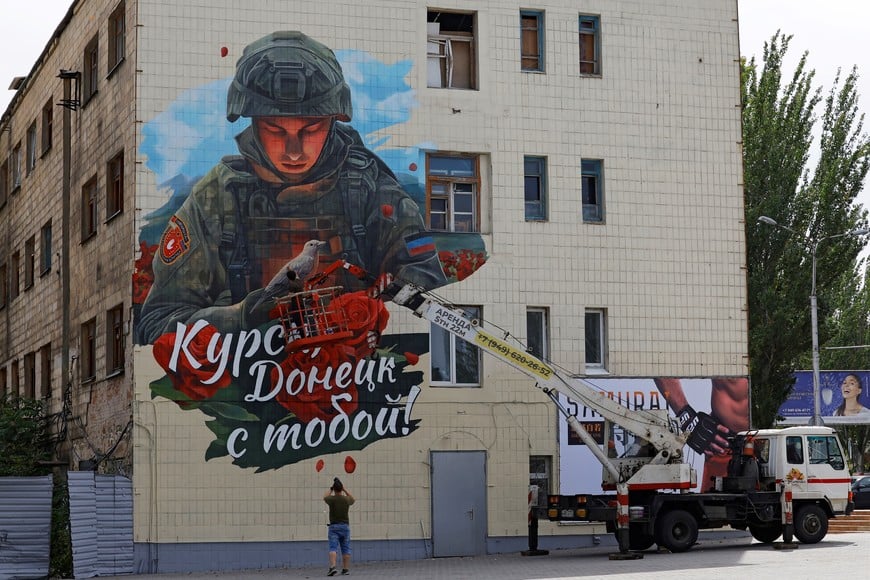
column 858, row 521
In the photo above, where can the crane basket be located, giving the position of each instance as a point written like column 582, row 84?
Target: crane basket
column 313, row 318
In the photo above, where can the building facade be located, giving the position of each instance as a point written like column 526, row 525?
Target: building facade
column 570, row 171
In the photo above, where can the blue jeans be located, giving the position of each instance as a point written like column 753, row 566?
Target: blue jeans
column 339, row 535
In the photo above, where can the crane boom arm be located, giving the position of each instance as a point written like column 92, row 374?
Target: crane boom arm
column 656, row 429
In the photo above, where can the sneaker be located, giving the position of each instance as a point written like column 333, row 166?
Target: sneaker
column 345, row 572
column 332, row 572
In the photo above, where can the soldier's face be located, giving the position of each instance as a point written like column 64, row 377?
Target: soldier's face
column 293, row 144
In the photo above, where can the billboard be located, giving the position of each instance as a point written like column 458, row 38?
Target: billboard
column 722, row 402
column 844, row 398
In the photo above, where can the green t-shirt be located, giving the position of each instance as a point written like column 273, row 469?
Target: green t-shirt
column 339, row 506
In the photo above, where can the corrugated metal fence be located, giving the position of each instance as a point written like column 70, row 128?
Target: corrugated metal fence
column 101, row 522
column 25, row 526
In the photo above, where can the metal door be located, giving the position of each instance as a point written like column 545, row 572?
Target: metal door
column 458, row 503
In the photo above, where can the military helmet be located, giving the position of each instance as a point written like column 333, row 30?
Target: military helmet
column 288, row 74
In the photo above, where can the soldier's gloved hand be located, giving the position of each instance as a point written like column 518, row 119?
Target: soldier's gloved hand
column 706, row 434
column 253, row 314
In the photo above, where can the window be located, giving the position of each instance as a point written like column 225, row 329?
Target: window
column 45, row 249
column 89, row 209
column 4, row 182
column 531, row 41
column 29, row 261
column 13, row 379
column 4, row 284
column 16, row 167
column 535, row 185
column 596, row 339
column 537, row 331
column 590, row 45
column 540, row 474
column 91, row 70
column 592, row 190
column 115, row 340
column 14, row 280
column 117, row 33
column 45, row 371
column 454, row 361
column 47, row 125
column 825, row 449
column 452, row 185
column 31, row 147
column 4, row 388
column 88, row 350
column 115, row 186
column 794, row 450
column 450, row 51
column 30, row 375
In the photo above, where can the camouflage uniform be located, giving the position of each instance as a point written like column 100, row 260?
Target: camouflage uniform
column 236, row 229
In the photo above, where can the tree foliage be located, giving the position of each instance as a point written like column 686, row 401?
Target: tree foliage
column 24, row 437
column 779, row 116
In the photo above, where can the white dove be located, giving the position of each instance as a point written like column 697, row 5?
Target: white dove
column 298, row 268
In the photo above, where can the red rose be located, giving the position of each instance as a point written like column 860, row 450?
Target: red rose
column 316, row 401
column 363, row 316
column 186, row 378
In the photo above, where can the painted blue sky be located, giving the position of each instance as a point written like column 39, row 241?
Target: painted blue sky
column 192, row 134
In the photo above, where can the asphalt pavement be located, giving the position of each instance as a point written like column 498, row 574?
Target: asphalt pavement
column 838, row 556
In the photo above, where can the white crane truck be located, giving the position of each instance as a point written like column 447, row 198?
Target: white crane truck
column 795, row 481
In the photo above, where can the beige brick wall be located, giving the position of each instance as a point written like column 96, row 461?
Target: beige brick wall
column 99, row 268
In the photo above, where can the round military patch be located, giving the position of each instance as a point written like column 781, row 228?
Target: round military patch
column 175, row 241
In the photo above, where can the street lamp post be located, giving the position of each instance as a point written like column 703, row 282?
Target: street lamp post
column 816, row 419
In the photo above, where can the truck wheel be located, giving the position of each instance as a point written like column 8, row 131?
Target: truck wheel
column 810, row 524
column 677, row 531
column 766, row 534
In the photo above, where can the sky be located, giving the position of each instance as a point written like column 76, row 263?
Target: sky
column 834, row 36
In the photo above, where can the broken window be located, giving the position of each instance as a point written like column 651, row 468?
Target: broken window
column 450, row 50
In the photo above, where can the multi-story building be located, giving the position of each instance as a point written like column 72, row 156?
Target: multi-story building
column 567, row 170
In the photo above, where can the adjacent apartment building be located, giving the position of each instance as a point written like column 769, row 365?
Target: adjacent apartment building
column 569, row 171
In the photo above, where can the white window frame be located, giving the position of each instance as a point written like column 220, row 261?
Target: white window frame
column 438, row 333
column 598, row 364
column 544, row 330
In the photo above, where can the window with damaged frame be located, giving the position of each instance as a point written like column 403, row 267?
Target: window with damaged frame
column 596, row 339
column 590, row 45
column 89, row 350
column 47, row 125
column 17, row 162
column 45, row 248
column 31, row 147
column 29, row 262
column 91, row 69
column 115, row 186
column 450, row 50
column 45, row 371
column 454, row 362
column 89, row 209
column 452, row 193
column 115, row 340
column 592, row 184
column 535, row 188
column 532, row 41
column 117, row 35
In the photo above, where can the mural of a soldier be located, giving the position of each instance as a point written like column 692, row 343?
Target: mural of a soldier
column 303, row 174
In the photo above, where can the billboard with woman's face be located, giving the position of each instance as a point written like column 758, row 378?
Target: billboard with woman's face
column 844, row 398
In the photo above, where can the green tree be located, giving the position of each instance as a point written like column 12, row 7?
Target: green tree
column 778, row 122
